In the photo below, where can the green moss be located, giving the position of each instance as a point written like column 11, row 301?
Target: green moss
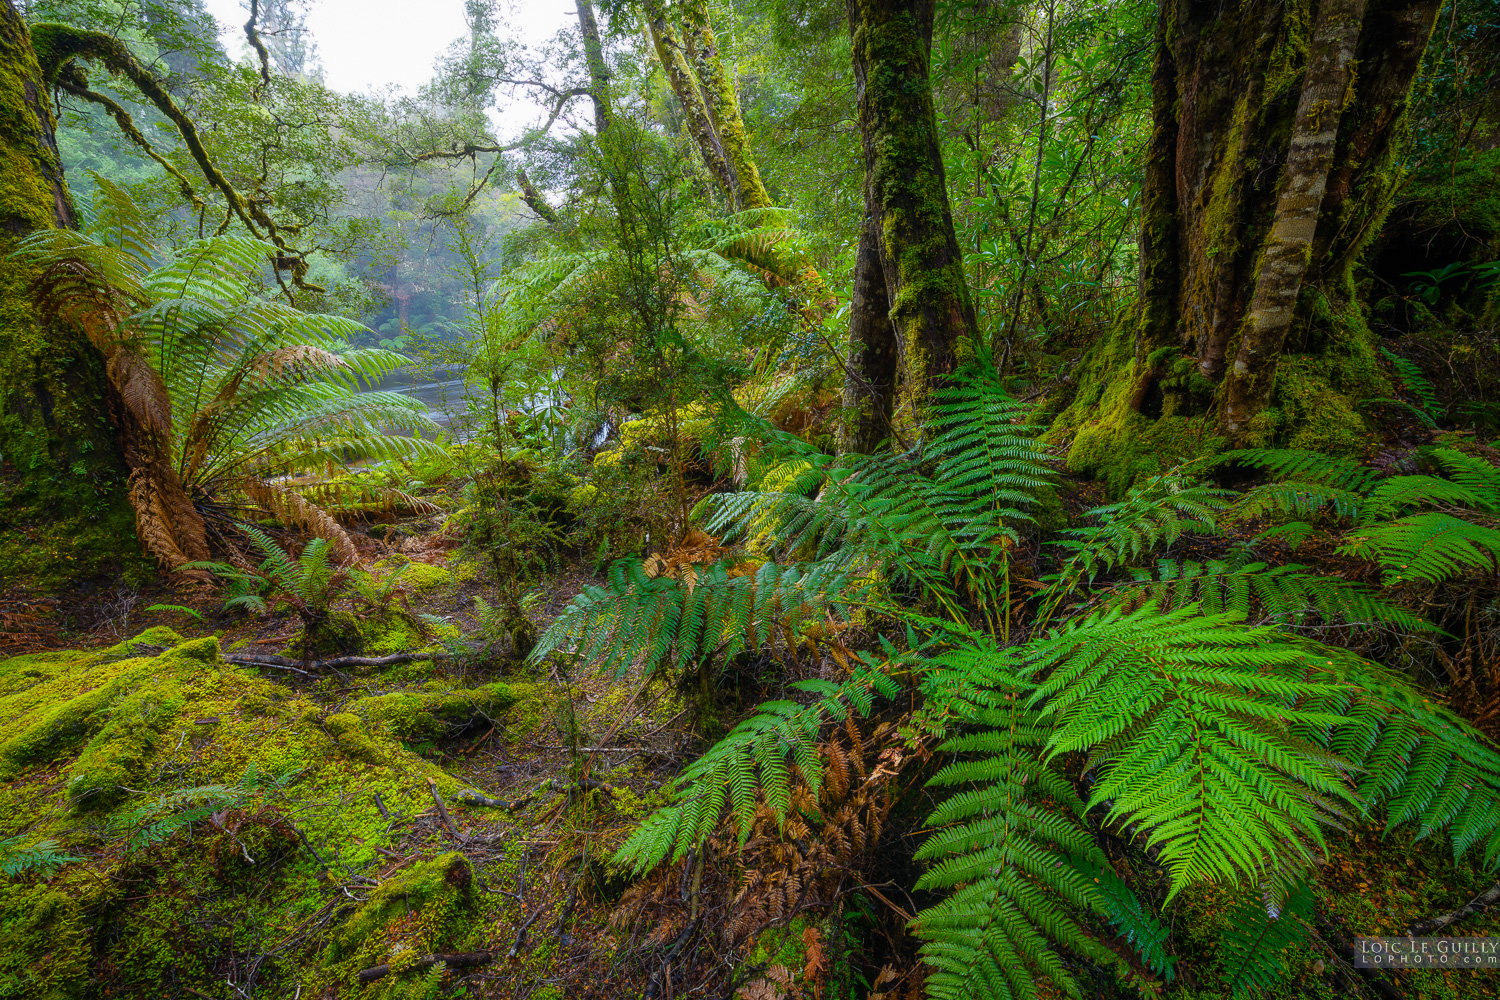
column 430, row 908
column 63, row 500
column 414, row 715
column 118, row 730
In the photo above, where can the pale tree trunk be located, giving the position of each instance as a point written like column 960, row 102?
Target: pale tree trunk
column 724, row 108
column 669, row 50
column 930, row 312
column 593, row 54
column 1288, row 248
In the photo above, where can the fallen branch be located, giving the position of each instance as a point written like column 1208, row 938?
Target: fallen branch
column 469, row 798
column 306, row 666
column 1485, row 899
column 442, row 810
column 460, row 960
column 515, row 948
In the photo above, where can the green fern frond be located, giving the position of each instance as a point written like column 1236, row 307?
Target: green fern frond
column 1257, row 950
column 1285, row 594
column 754, row 761
column 1188, row 728
column 1302, row 466
column 1419, row 764
column 1430, row 547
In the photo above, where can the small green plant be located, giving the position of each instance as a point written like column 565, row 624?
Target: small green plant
column 309, row 585
column 41, row 859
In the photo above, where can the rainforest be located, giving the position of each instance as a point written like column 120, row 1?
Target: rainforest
column 749, row 499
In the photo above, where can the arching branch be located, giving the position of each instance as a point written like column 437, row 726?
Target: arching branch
column 60, row 46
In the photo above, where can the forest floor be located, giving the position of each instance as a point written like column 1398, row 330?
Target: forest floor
column 386, row 754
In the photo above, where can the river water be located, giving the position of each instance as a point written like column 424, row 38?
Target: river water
column 442, row 395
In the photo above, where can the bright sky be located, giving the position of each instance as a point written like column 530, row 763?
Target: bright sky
column 367, row 44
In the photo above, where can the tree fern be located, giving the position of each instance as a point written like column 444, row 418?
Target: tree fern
column 1005, row 851
column 226, row 390
column 1418, row 763
column 1155, row 513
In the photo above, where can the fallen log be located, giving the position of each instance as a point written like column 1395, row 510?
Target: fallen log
column 459, row 960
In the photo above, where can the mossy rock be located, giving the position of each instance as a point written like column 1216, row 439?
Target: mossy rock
column 158, row 771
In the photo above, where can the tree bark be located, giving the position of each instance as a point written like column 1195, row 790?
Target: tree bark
column 669, row 50
column 593, row 53
column 930, row 310
column 56, row 432
column 534, row 200
column 724, row 108
column 870, row 375
column 1227, row 85
column 1289, row 246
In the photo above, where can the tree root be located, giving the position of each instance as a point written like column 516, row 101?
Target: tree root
column 459, row 960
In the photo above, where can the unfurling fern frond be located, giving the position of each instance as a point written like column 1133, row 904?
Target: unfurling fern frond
column 752, row 764
column 1253, row 951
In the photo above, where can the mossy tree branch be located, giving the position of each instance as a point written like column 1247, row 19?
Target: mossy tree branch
column 59, row 47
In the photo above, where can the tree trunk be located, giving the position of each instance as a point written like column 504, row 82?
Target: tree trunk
column 724, row 109
column 1289, row 247
column 57, row 439
column 669, row 50
column 1227, row 85
column 870, row 376
column 930, row 310
column 593, row 54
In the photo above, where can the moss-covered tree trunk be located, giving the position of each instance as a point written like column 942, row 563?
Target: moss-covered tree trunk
column 64, row 506
column 724, row 107
column 1288, row 251
column 931, row 313
column 1226, row 87
column 870, row 377
column 700, row 124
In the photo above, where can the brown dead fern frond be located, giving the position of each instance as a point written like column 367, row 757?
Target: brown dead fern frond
column 293, row 508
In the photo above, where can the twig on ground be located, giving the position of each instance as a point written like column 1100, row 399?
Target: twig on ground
column 1484, row 900
column 515, row 948
column 459, row 960
column 442, row 810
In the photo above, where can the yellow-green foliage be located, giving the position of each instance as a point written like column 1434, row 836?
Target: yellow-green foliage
column 128, row 735
column 693, row 424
